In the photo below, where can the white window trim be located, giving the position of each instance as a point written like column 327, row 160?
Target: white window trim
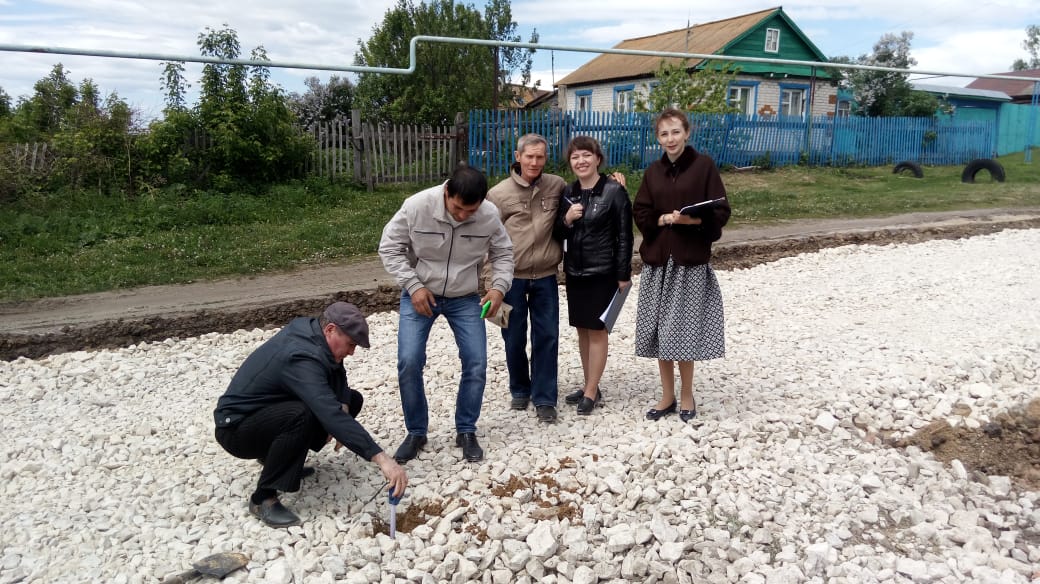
column 749, row 109
column 801, row 91
column 629, row 93
column 776, row 40
column 583, row 94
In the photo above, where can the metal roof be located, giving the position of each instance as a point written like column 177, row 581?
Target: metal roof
column 948, row 90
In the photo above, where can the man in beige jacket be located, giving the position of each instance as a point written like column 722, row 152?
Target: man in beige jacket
column 527, row 202
column 434, row 247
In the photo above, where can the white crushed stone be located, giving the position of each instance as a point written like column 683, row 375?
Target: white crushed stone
column 109, row 471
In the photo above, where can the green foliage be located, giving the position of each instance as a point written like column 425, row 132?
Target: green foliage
column 73, row 242
column 174, row 85
column 499, row 18
column 242, row 131
column 88, row 137
column 5, row 104
column 448, row 78
column 1032, row 46
column 886, row 93
column 701, row 91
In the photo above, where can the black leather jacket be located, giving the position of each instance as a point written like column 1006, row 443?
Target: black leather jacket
column 600, row 243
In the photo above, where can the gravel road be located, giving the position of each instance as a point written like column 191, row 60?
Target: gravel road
column 109, row 472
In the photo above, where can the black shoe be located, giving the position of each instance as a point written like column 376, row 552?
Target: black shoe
column 273, row 513
column 655, row 414
column 471, row 450
column 586, row 405
column 574, row 397
column 546, row 414
column 410, row 448
column 687, row 415
column 519, row 403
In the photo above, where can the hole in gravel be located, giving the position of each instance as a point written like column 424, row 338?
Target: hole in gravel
column 1009, row 445
column 409, row 517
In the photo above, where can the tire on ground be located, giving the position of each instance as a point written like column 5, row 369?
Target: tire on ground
column 913, row 167
column 995, row 170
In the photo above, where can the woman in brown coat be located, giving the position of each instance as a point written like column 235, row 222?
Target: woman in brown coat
column 679, row 315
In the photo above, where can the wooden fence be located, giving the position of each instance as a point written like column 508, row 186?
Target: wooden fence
column 384, row 153
column 33, row 158
column 628, row 138
column 347, row 149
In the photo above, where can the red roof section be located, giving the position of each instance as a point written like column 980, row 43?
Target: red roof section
column 1012, row 87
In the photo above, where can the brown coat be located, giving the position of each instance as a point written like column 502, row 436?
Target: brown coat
column 668, row 186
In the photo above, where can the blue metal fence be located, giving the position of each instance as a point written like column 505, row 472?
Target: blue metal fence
column 628, row 138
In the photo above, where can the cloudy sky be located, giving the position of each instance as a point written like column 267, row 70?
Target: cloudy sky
column 969, row 36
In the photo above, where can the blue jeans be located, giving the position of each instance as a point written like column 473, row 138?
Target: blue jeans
column 535, row 379
column 463, row 315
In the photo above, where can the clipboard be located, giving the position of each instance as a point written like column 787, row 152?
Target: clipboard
column 694, row 209
column 610, row 315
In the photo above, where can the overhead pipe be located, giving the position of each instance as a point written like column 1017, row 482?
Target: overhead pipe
column 412, row 50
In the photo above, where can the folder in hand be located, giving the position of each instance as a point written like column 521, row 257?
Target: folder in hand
column 698, row 209
column 609, row 316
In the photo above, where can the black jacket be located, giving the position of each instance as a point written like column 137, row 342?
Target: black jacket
column 600, row 243
column 296, row 364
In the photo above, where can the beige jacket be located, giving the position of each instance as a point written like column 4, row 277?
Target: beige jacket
column 528, row 212
column 423, row 246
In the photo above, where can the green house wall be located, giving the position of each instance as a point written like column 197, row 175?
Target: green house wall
column 793, row 46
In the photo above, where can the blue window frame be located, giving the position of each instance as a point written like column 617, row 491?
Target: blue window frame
column 623, row 95
column 743, row 95
column 793, row 99
column 583, row 100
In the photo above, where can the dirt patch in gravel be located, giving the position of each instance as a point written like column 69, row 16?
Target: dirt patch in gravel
column 1008, row 445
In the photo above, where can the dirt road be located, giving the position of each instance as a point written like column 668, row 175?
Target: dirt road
column 123, row 317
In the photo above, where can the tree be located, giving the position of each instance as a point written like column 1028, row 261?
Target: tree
column 700, row 91
column 1032, row 46
column 499, row 18
column 886, row 93
column 240, row 132
column 87, row 134
column 5, row 104
column 174, row 86
column 448, row 78
column 323, row 102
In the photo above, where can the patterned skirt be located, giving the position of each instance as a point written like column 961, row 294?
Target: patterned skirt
column 679, row 316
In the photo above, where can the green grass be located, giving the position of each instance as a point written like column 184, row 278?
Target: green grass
column 801, row 193
column 60, row 244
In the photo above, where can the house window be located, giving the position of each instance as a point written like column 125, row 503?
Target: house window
column 772, row 40
column 844, row 108
column 792, row 101
column 583, row 100
column 742, row 97
column 623, row 98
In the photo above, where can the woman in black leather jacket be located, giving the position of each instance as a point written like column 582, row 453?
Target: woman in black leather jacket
column 594, row 222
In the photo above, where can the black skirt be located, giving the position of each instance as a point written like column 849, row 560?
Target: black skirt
column 587, row 298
